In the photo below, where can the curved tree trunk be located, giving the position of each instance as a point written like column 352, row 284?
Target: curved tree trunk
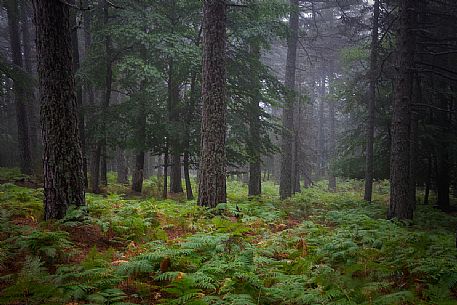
column 63, row 169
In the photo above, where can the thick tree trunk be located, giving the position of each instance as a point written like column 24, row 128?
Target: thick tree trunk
column 25, row 156
column 122, row 168
column 285, row 181
column 212, row 176
column 63, row 169
column 400, row 198
column 428, row 180
column 369, row 154
column 103, row 164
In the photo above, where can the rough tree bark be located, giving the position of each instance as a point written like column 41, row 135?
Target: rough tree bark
column 400, row 198
column 369, row 155
column 25, row 156
column 285, row 181
column 212, row 176
column 63, row 170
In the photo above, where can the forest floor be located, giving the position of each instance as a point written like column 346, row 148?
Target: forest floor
column 316, row 248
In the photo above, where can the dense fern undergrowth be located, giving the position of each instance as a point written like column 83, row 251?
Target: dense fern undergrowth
column 316, row 248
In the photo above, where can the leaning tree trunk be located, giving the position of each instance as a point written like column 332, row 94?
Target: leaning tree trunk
column 25, row 157
column 400, row 198
column 369, row 154
column 63, row 169
column 212, row 176
column 285, row 181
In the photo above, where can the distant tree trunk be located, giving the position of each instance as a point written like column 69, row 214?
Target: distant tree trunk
column 428, row 180
column 400, row 197
column 25, row 156
column 443, row 179
column 138, row 173
column 212, row 176
column 122, row 169
column 369, row 154
column 165, row 173
column 137, row 176
column 189, row 116
column 63, row 169
column 107, row 94
column 321, row 133
column 103, row 164
column 254, row 141
column 95, row 169
column 285, row 181
column 332, row 145
column 79, row 91
column 297, row 149
column 189, row 193
column 34, row 120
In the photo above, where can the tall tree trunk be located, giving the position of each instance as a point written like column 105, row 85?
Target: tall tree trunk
column 63, row 169
column 25, row 156
column 212, row 176
column 107, row 94
column 34, row 120
column 400, row 197
column 321, row 138
column 443, row 179
column 369, row 154
column 332, row 145
column 122, row 168
column 79, row 91
column 285, row 182
column 254, row 141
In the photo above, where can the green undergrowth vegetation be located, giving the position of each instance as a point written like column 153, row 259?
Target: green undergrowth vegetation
column 315, row 248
